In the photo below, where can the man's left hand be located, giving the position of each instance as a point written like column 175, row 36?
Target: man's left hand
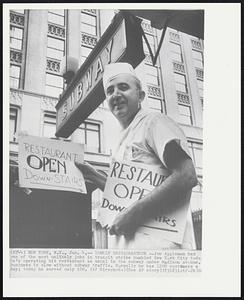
column 125, row 223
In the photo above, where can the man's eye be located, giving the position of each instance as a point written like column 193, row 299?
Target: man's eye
column 123, row 87
column 109, row 91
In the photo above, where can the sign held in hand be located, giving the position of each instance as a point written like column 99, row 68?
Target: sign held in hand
column 128, row 182
column 49, row 164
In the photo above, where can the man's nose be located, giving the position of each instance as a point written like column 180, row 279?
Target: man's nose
column 115, row 96
column 116, row 93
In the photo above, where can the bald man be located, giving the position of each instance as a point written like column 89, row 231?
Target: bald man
column 150, row 138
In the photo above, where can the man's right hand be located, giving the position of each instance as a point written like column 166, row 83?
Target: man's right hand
column 91, row 175
column 87, row 170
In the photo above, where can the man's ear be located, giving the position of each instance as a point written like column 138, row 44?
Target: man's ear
column 142, row 95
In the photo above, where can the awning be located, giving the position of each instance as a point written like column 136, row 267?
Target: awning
column 187, row 21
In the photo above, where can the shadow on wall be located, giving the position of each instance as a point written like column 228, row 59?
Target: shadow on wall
column 49, row 219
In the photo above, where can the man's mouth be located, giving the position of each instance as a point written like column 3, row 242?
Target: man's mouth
column 118, row 105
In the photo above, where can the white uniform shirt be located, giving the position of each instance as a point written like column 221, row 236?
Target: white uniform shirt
column 144, row 140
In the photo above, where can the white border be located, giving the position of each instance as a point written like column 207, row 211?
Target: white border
column 221, row 197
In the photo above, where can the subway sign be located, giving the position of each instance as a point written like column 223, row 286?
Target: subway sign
column 121, row 42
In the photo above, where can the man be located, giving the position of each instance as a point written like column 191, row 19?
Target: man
column 150, row 138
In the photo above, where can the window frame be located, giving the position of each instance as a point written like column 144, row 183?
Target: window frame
column 83, row 127
column 178, row 53
column 56, row 49
column 16, row 123
column 50, row 12
column 97, row 31
column 51, row 115
column 16, row 38
column 55, row 89
column 152, row 80
column 22, row 52
column 83, row 57
column 200, row 88
column 191, row 147
column 198, row 60
column 95, row 16
column 10, row 77
column 162, row 108
column 53, row 86
column 180, row 83
column 184, row 115
column 151, row 43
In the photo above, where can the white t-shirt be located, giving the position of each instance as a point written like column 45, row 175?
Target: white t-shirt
column 144, row 141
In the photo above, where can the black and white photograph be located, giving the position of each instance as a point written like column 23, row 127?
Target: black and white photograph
column 59, row 74
column 106, row 140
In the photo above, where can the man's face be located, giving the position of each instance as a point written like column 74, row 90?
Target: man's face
column 124, row 96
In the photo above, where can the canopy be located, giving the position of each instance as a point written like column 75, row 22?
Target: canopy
column 187, row 21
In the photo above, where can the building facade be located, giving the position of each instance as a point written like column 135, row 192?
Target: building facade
column 40, row 42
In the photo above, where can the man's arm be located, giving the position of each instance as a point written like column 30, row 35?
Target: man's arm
column 171, row 193
column 91, row 175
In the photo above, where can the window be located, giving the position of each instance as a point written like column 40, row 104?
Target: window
column 13, row 124
column 85, row 51
column 88, row 23
column 89, row 134
column 185, row 114
column 54, row 85
column 176, row 52
column 151, row 42
column 56, row 16
column 200, row 87
column 17, row 47
column 55, row 48
column 49, row 125
column 151, row 75
column 180, row 83
column 16, row 37
column 196, row 153
column 88, row 26
column 14, row 76
column 197, row 58
column 156, row 104
column 55, row 53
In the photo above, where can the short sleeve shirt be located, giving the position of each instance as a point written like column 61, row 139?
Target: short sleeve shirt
column 144, row 141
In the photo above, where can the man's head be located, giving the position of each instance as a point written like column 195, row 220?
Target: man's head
column 123, row 91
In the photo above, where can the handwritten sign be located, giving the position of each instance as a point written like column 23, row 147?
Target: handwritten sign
column 49, row 164
column 128, row 182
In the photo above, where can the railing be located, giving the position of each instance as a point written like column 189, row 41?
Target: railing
column 179, row 67
column 88, row 40
column 90, row 11
column 56, row 30
column 196, row 44
column 53, row 65
column 17, row 19
column 16, row 56
column 147, row 27
column 183, row 98
column 174, row 37
column 199, row 73
column 153, row 91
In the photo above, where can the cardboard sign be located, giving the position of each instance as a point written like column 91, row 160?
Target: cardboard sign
column 49, row 164
column 128, row 182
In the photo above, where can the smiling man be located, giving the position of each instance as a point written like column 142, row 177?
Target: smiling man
column 150, row 138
